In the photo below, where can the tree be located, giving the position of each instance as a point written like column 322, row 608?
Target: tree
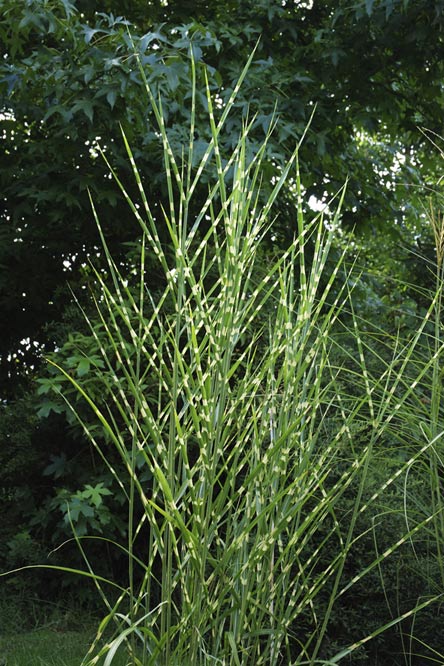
column 68, row 79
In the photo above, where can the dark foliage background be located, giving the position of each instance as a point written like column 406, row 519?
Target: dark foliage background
column 372, row 71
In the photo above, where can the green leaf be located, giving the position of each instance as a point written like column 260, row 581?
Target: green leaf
column 69, row 8
column 57, row 467
column 89, row 73
column 86, row 106
column 90, row 32
column 96, row 493
column 61, row 110
column 48, row 407
column 388, row 9
column 111, row 98
column 83, row 367
column 46, row 385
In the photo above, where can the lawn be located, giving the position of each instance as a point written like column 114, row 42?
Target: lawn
column 47, row 647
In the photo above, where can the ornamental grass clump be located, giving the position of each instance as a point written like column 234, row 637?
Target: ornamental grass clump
column 237, row 462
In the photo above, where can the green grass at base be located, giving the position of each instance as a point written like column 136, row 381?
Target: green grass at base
column 48, row 647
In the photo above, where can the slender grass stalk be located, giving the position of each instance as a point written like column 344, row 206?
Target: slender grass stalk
column 436, row 457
